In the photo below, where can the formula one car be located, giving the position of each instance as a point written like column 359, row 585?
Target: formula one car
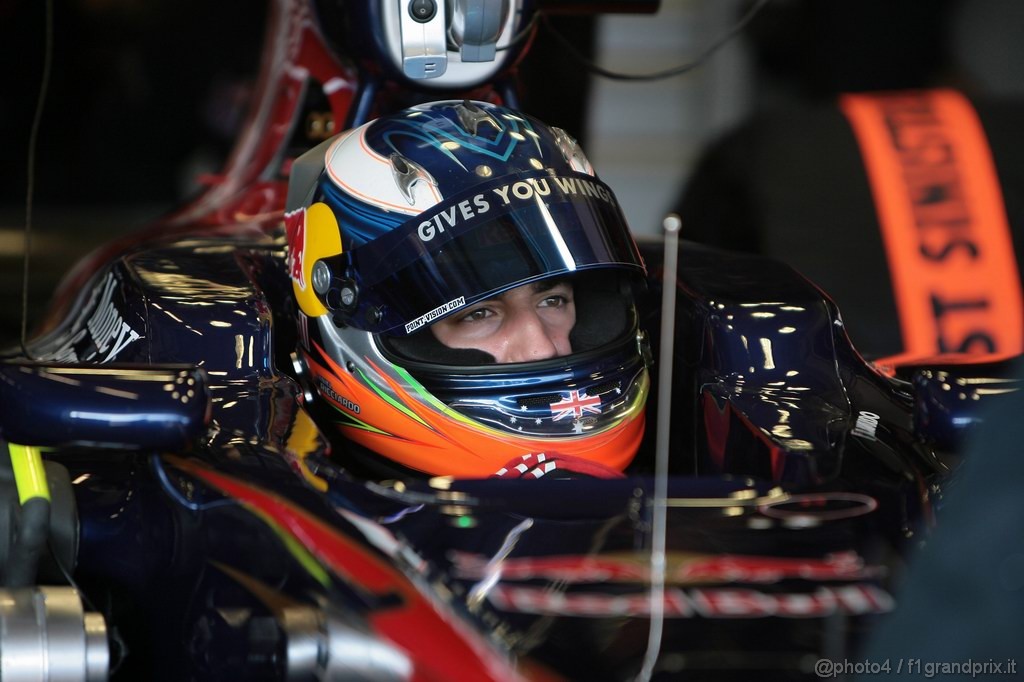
column 184, row 502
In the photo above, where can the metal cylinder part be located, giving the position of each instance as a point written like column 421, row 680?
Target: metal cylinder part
column 46, row 636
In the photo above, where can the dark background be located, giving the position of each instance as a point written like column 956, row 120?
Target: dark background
column 145, row 95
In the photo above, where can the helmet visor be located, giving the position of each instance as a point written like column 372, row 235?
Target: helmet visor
column 519, row 229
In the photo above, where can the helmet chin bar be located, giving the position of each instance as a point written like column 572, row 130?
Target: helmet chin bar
column 468, row 421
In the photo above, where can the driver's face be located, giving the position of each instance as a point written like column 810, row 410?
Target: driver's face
column 531, row 322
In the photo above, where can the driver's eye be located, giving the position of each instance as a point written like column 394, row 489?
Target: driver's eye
column 475, row 315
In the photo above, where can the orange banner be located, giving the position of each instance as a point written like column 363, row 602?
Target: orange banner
column 947, row 238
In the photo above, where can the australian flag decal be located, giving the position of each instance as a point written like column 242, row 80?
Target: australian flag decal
column 574, row 405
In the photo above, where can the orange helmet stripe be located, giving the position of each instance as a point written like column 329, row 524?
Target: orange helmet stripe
column 439, row 440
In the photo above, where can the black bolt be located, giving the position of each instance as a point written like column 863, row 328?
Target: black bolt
column 422, row 10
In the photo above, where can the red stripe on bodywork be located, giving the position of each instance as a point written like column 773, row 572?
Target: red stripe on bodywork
column 717, row 423
column 440, row 647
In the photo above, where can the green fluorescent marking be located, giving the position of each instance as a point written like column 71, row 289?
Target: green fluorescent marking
column 295, row 548
column 455, row 414
column 417, row 386
column 391, row 401
column 29, row 474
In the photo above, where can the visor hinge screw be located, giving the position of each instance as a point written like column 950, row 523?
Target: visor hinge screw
column 343, row 295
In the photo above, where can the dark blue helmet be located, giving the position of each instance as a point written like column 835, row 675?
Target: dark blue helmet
column 419, row 215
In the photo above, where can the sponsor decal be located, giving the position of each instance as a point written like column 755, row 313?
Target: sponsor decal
column 295, row 229
column 469, row 208
column 855, row 599
column 575, row 404
column 435, row 313
column 867, row 424
column 109, row 331
column 507, row 196
column 680, row 568
column 326, row 389
column 105, row 334
column 312, row 234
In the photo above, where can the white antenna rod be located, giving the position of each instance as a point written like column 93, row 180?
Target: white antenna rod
column 671, row 225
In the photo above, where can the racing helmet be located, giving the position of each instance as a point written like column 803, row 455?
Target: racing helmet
column 411, row 218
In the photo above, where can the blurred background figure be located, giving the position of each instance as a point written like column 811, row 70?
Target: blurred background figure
column 962, row 597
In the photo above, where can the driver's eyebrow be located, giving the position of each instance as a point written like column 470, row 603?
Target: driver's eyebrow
column 548, row 284
column 537, row 287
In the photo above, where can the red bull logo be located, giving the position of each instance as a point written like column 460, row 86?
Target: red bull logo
column 295, row 229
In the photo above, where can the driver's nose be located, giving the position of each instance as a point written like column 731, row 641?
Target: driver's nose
column 529, row 339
